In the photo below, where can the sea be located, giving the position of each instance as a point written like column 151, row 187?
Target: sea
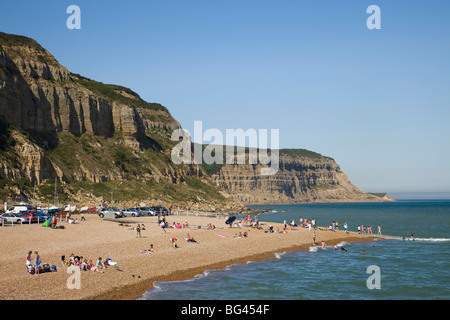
column 401, row 268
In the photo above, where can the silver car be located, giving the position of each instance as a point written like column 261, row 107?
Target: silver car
column 13, row 217
column 109, row 213
column 131, row 212
column 147, row 211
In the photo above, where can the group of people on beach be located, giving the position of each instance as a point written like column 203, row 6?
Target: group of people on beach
column 175, row 225
column 34, row 265
column 71, row 220
column 302, row 222
column 84, row 265
column 210, row 227
column 139, row 228
column 247, row 222
column 241, row 235
column 271, row 230
column 368, row 230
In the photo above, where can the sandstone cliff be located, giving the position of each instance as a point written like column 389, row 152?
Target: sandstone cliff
column 95, row 139
column 103, row 142
column 302, row 177
column 42, row 97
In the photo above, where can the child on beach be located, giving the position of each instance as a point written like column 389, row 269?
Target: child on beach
column 173, row 241
column 100, row 264
column 28, row 263
column 54, row 222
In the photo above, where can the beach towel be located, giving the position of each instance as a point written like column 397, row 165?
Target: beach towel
column 221, row 235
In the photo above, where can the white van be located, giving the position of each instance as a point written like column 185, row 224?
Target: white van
column 17, row 208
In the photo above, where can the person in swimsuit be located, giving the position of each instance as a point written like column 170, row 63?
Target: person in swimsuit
column 138, row 230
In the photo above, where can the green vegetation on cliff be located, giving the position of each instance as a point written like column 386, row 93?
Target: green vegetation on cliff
column 16, row 40
column 112, row 93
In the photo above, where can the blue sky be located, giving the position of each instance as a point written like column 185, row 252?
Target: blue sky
column 377, row 101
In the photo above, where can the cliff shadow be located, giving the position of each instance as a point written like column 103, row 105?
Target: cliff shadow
column 19, row 105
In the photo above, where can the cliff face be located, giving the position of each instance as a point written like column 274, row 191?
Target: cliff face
column 104, row 139
column 56, row 124
column 45, row 100
column 299, row 179
column 42, row 97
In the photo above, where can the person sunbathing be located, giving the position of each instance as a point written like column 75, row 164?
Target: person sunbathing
column 94, row 268
column 124, row 225
column 151, row 250
column 189, row 238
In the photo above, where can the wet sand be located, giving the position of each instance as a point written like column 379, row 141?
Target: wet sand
column 137, row 271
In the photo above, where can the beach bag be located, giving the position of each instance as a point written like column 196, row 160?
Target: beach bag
column 45, row 268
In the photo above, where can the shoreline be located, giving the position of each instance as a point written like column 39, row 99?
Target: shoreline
column 137, row 272
column 135, row 291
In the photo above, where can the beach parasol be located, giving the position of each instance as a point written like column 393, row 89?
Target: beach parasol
column 230, row 220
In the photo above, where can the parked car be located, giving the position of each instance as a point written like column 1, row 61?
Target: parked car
column 53, row 212
column 30, row 215
column 146, row 211
column 161, row 210
column 38, row 215
column 17, row 208
column 42, row 216
column 13, row 217
column 110, row 213
column 131, row 212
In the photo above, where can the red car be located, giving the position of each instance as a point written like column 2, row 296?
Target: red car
column 31, row 214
